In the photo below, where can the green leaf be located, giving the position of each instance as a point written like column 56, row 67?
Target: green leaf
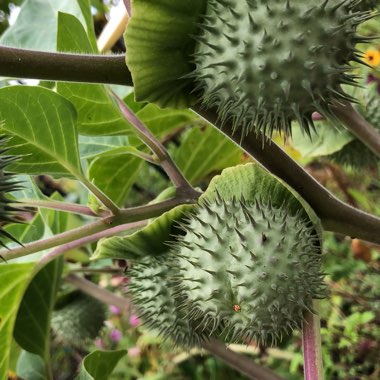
column 91, row 146
column 99, row 365
column 115, row 175
column 162, row 121
column 327, row 140
column 32, row 328
column 98, row 114
column 36, row 24
column 31, row 366
column 43, row 126
column 13, row 279
column 205, row 150
column 159, row 44
column 147, row 241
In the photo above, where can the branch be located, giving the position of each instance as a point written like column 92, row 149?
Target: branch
column 87, row 240
column 56, row 205
column 30, row 64
column 129, row 215
column 335, row 215
column 95, row 291
column 240, row 362
column 157, row 148
column 358, row 126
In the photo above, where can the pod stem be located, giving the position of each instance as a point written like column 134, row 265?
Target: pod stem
column 312, row 350
column 358, row 126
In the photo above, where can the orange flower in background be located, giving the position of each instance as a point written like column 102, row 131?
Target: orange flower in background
column 372, row 57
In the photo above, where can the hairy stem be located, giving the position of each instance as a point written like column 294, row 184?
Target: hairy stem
column 312, row 350
column 31, row 64
column 358, row 126
column 335, row 215
column 56, row 205
column 240, row 362
column 157, row 148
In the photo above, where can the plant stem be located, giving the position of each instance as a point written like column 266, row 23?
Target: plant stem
column 240, row 362
column 87, row 240
column 312, row 351
column 358, row 126
column 101, row 294
column 56, row 205
column 157, row 148
column 103, row 198
column 125, row 216
column 31, row 64
column 335, row 215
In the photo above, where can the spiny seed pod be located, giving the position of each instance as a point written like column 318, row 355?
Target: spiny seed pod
column 255, row 60
column 7, row 185
column 366, row 5
column 241, row 271
column 355, row 154
column 258, row 64
column 80, row 320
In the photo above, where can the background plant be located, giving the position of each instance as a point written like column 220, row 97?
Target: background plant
column 90, row 168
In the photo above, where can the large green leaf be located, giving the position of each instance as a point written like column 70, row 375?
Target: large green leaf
column 13, row 279
column 43, row 126
column 98, row 114
column 205, row 150
column 115, row 175
column 99, row 365
column 36, row 25
column 147, row 241
column 32, row 329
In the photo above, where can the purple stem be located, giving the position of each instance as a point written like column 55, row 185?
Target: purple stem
column 157, row 148
column 88, row 239
column 127, row 4
column 313, row 367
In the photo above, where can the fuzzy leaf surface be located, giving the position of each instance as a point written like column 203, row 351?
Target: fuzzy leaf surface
column 42, row 125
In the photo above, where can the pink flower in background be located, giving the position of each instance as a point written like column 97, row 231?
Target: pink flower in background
column 134, row 320
column 134, row 352
column 99, row 343
column 115, row 310
column 116, row 335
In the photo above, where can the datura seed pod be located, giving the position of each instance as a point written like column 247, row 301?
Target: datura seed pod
column 252, row 60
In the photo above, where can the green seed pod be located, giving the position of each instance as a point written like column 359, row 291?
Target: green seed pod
column 242, row 271
column 254, row 60
column 366, row 5
column 79, row 320
column 7, row 185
